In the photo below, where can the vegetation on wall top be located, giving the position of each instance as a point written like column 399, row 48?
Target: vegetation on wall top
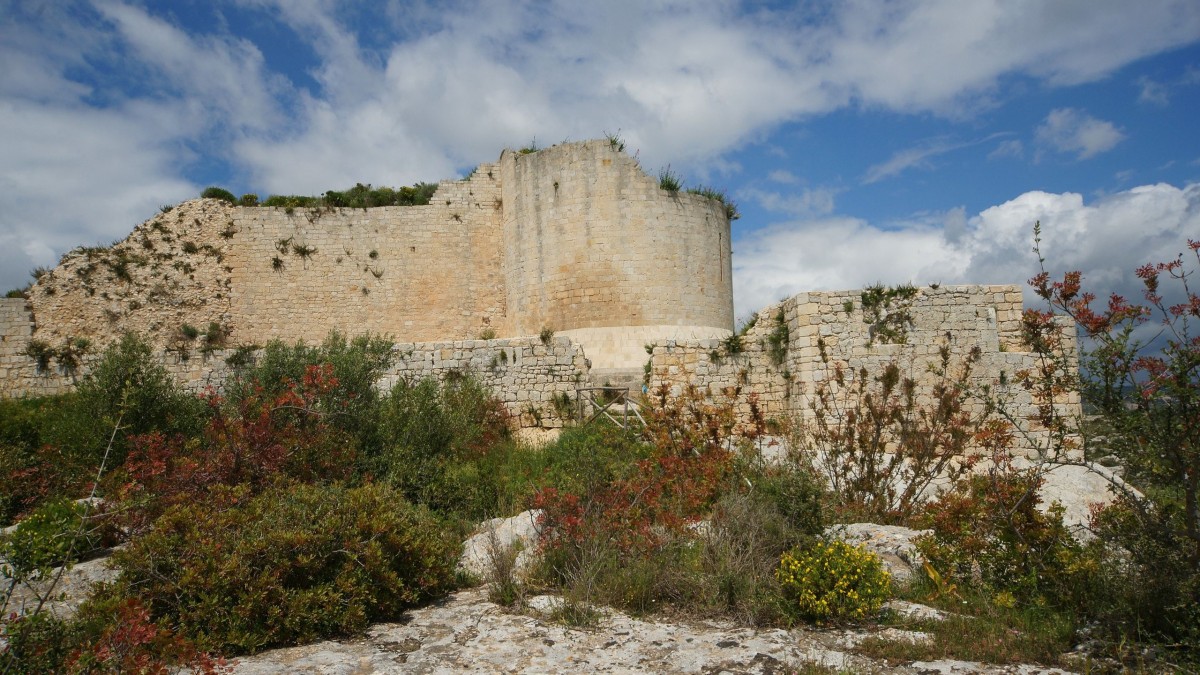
column 361, row 196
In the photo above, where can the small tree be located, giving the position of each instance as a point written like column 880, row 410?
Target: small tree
column 880, row 442
column 1147, row 391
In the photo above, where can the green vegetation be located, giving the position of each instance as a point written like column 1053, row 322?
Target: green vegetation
column 833, row 581
column 615, row 141
column 358, row 197
column 219, row 193
column 293, row 564
column 886, row 310
column 669, row 181
column 731, row 209
column 54, row 534
column 304, row 503
column 778, row 338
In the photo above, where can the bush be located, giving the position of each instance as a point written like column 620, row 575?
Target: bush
column 108, row 634
column 248, row 199
column 351, row 403
column 436, row 441
column 52, row 447
column 833, row 581
column 218, row 193
column 880, row 441
column 251, row 443
column 54, row 534
column 128, row 384
column 740, row 551
column 239, row 574
column 30, row 470
column 1148, row 395
column 989, row 534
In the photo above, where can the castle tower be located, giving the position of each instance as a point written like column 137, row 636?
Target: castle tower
column 595, row 250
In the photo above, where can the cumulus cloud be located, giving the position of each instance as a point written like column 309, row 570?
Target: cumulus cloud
column 1106, row 239
column 444, row 85
column 1074, row 131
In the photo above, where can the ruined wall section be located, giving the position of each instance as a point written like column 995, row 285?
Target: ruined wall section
column 592, row 244
column 19, row 374
column 956, row 317
column 172, row 270
column 531, row 377
column 417, row 273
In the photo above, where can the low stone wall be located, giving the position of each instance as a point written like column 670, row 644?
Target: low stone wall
column 525, row 373
column 775, row 367
column 779, row 360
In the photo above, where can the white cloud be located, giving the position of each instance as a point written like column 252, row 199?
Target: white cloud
column 1009, row 148
column 808, row 202
column 1106, row 239
column 1074, row 131
column 910, row 158
column 1153, row 92
column 143, row 99
column 783, row 176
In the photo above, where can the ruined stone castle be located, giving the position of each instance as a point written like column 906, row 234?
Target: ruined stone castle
column 539, row 274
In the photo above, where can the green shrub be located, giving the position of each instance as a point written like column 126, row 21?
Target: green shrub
column 795, row 493
column 833, row 581
column 31, row 471
column 295, row 564
column 248, row 199
column 436, row 441
column 740, row 552
column 36, row 643
column 989, row 534
column 352, row 403
column 358, row 197
column 218, row 193
column 52, row 535
column 129, row 384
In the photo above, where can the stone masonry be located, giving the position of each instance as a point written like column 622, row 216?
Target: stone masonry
column 574, row 241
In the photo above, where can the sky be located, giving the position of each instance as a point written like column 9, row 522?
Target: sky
column 865, row 141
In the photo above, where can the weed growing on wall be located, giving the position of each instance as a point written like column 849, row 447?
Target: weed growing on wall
column 886, row 309
column 720, row 196
column 669, row 181
column 778, row 339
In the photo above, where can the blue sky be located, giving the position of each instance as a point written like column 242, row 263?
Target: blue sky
column 865, row 141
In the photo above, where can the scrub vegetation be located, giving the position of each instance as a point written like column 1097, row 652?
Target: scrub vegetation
column 334, row 504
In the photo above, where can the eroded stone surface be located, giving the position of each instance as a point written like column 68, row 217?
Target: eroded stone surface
column 892, row 543
column 468, row 634
column 500, row 536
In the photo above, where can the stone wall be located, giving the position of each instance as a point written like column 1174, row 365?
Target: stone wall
column 527, row 374
column 574, row 237
column 419, row 273
column 956, row 317
column 592, row 242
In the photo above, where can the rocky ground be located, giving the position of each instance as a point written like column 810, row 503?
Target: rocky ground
column 467, row 634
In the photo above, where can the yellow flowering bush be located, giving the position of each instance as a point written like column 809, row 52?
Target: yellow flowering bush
column 833, row 581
